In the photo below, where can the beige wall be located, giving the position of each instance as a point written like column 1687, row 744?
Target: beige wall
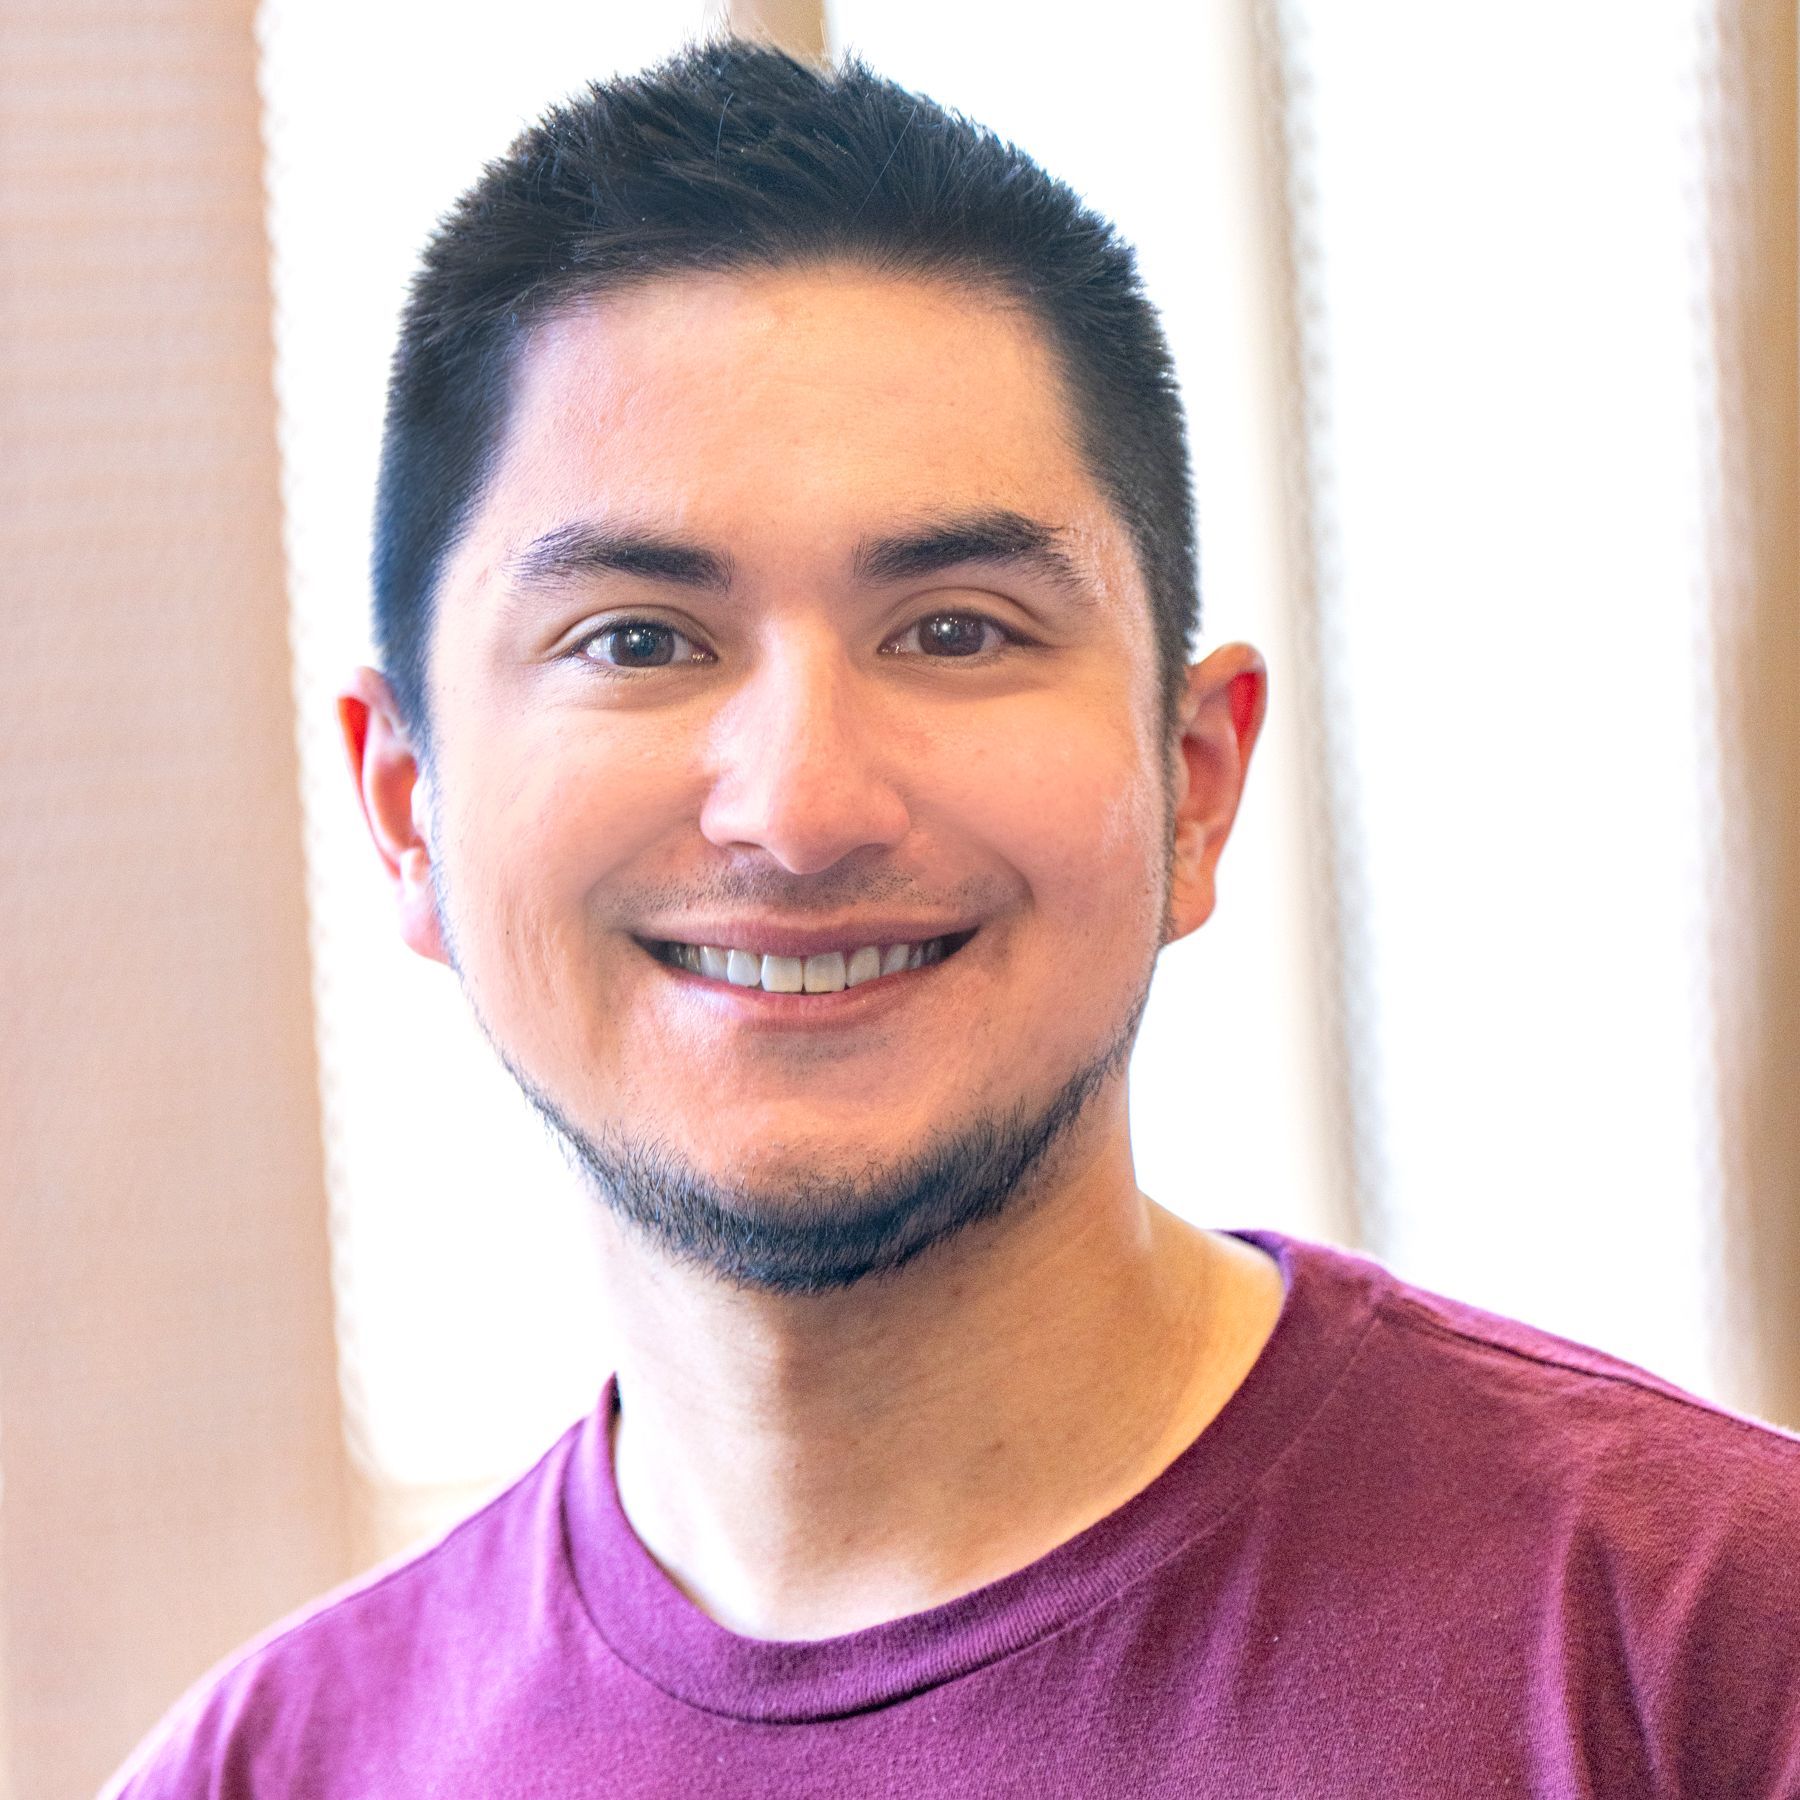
column 797, row 26
column 168, row 1416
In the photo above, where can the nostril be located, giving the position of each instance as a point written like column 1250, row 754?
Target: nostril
column 806, row 827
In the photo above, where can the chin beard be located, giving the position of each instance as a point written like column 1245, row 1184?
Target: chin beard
column 814, row 1234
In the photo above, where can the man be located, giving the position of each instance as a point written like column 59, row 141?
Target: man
column 784, row 579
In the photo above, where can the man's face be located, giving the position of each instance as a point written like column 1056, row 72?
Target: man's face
column 792, row 625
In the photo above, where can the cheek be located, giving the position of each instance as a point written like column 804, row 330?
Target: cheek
column 544, row 828
column 575, row 805
column 1071, row 798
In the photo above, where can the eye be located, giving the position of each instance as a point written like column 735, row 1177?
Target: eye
column 640, row 644
column 950, row 634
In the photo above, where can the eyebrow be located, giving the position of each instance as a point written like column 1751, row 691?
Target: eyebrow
column 593, row 549
column 992, row 535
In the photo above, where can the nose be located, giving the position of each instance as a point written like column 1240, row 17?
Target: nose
column 802, row 769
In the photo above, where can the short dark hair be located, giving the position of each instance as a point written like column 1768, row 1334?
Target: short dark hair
column 733, row 156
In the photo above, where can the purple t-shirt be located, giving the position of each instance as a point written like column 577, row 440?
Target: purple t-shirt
column 1423, row 1551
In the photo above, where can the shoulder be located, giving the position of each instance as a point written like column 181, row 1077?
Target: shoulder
column 1480, row 1382
column 315, row 1689
column 1636, row 1547
column 1594, row 1422
column 1571, row 1436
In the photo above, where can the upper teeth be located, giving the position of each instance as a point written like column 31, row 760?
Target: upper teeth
column 826, row 973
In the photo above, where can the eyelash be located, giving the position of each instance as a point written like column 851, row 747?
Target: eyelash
column 1007, row 638
column 616, row 627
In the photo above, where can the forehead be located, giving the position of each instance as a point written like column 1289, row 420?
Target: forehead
column 788, row 414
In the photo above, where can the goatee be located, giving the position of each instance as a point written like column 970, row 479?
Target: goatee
column 821, row 1233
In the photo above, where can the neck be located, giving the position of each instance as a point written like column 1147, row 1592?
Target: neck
column 804, row 1466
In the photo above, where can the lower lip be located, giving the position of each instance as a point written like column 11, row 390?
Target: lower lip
column 850, row 1005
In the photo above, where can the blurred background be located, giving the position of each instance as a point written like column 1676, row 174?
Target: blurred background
column 1486, row 318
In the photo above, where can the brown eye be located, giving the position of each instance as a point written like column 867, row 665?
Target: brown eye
column 640, row 644
column 951, row 634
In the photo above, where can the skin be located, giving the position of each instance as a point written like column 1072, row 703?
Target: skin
column 807, row 1464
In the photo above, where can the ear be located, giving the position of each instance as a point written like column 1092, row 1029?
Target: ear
column 1221, row 715
column 396, row 803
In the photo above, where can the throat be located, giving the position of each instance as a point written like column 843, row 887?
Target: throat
column 807, row 1508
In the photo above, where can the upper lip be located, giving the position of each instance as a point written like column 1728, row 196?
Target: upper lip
column 775, row 937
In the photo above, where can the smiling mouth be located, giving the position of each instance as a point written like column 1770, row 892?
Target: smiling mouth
column 827, row 973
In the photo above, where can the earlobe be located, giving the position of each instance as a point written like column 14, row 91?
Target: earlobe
column 395, row 795
column 1220, row 719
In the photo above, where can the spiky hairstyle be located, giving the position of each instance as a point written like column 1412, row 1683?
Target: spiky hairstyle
column 733, row 156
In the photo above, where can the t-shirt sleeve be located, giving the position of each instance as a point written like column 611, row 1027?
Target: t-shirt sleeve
column 250, row 1728
column 1722, row 1679
column 197, row 1754
column 1670, row 1619
column 179, row 1760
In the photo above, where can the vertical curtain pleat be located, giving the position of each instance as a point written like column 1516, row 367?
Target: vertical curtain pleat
column 1749, row 145
column 169, row 1438
column 1345, row 1058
